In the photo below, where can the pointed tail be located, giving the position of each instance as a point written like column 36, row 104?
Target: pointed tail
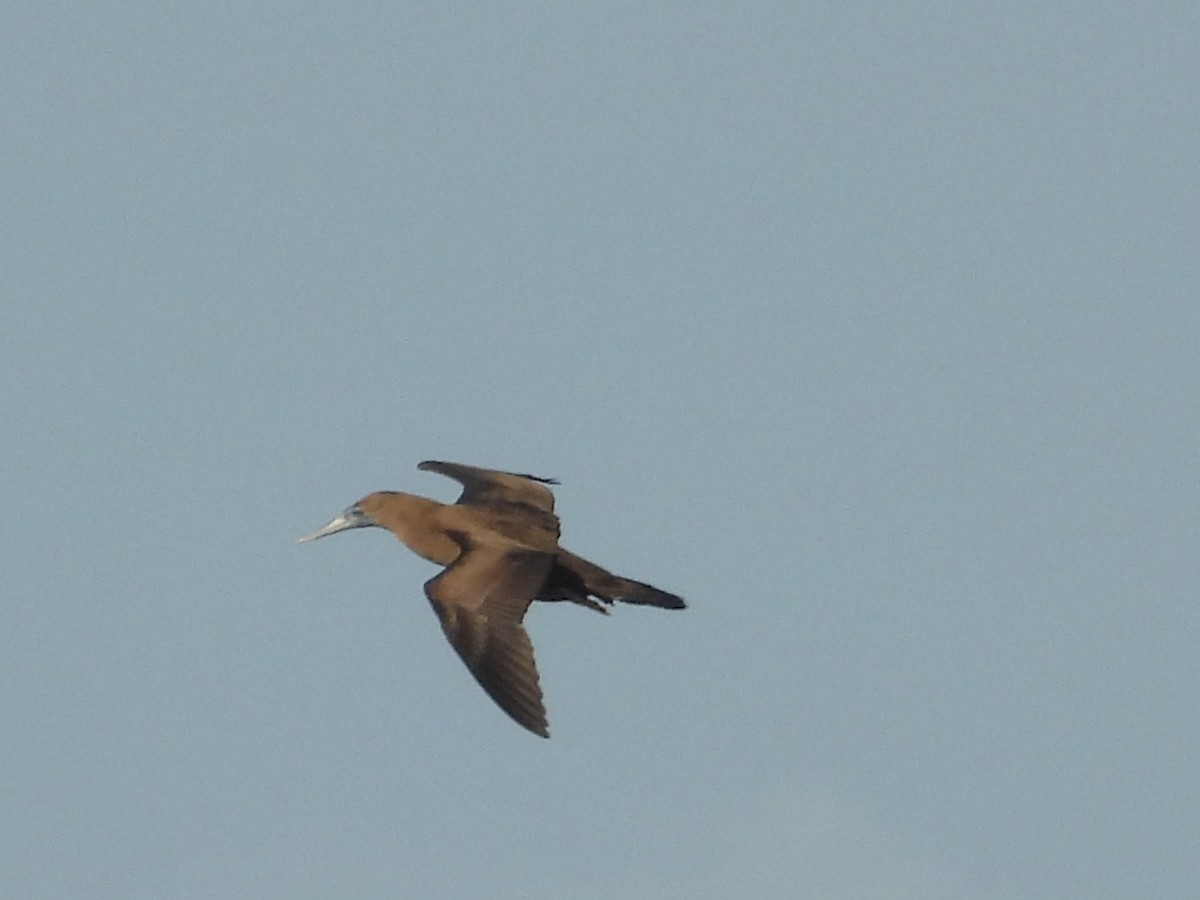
column 574, row 576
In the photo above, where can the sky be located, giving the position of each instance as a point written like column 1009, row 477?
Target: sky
column 872, row 329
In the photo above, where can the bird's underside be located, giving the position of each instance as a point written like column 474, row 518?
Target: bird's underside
column 499, row 546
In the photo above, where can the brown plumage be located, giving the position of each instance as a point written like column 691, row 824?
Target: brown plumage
column 499, row 547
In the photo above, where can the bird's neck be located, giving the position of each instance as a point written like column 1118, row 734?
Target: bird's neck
column 411, row 519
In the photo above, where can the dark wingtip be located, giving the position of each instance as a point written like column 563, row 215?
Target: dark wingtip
column 537, row 478
column 538, row 726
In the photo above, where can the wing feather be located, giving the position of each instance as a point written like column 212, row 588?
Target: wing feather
column 487, row 486
column 480, row 600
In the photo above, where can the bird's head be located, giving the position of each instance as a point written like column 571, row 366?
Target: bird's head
column 357, row 515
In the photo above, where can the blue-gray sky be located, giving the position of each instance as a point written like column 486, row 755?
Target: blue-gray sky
column 870, row 328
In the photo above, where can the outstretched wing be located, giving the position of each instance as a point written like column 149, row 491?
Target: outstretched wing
column 487, row 486
column 481, row 599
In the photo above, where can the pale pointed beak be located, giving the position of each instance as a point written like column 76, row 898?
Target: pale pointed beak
column 351, row 518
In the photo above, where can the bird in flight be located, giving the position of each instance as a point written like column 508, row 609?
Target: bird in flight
column 499, row 548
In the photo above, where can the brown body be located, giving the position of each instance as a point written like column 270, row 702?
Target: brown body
column 499, row 547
